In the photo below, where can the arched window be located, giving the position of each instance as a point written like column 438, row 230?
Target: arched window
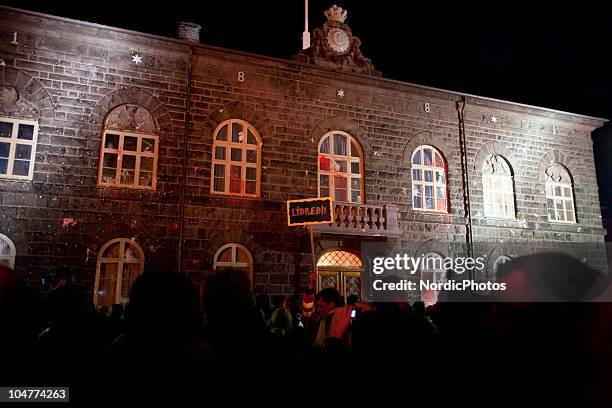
column 341, row 168
column 432, row 271
column 340, row 269
column 236, row 160
column 234, row 256
column 128, row 157
column 120, row 261
column 559, row 194
column 7, row 252
column 497, row 188
column 428, row 180
column 17, row 148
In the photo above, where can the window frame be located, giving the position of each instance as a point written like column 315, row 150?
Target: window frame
column 348, row 174
column 13, row 252
column 243, row 163
column 120, row 262
column 434, row 184
column 13, row 141
column 234, row 263
column 489, row 193
column 550, row 195
column 120, row 153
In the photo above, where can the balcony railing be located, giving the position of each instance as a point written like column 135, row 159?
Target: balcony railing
column 355, row 219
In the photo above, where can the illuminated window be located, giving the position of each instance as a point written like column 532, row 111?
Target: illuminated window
column 432, row 271
column 17, row 148
column 128, row 160
column 7, row 252
column 234, row 256
column 340, row 168
column 497, row 188
column 428, row 180
column 340, row 269
column 559, row 194
column 120, row 262
column 236, row 159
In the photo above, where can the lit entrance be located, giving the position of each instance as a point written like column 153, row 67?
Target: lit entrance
column 341, row 269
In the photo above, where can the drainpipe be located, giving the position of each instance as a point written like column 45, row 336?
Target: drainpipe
column 184, row 168
column 460, row 106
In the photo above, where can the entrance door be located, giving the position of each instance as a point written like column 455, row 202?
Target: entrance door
column 341, row 269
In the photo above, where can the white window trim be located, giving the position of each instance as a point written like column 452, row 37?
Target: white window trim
column 244, row 146
column 348, row 175
column 119, row 261
column 434, row 183
column 13, row 141
column 550, row 187
column 507, row 195
column 233, row 263
column 13, row 252
column 138, row 154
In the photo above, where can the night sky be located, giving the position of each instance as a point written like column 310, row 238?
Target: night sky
column 558, row 57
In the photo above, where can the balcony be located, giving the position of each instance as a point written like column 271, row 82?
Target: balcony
column 365, row 220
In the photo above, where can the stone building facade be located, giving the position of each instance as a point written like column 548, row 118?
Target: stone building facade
column 126, row 151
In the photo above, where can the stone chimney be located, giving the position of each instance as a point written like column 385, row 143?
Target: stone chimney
column 189, row 31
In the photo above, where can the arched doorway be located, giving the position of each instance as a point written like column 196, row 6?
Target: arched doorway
column 340, row 268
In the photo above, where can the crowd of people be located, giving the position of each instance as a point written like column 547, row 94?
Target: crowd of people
column 174, row 341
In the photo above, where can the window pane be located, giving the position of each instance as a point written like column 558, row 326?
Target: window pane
column 440, row 192
column 251, row 139
column 324, row 181
column 570, row 215
column 127, row 177
column 428, row 175
column 107, row 284
column 567, row 191
column 324, row 192
column 130, row 273
column 236, row 155
column 438, row 162
column 109, row 175
column 441, row 204
column 324, row 146
column 3, row 166
column 6, row 129
column 220, row 153
column 340, row 166
column 5, row 148
column 225, row 255
column 21, row 168
column 355, row 196
column 251, row 187
column 416, row 175
column 26, row 132
column 558, row 191
column 130, row 143
column 251, row 173
column 110, row 160
column 251, row 156
column 5, row 248
column 146, row 164
column 340, row 144
column 222, row 133
column 145, row 178
column 355, row 183
column 324, row 163
column 147, row 145
column 235, row 179
column 354, row 150
column 428, row 191
column 417, row 202
column 241, row 255
column 416, row 158
column 355, row 167
column 128, row 162
column 427, row 159
column 23, row 151
column 219, row 176
column 112, row 251
column 112, row 141
column 220, row 170
column 237, row 132
column 440, row 177
column 340, row 185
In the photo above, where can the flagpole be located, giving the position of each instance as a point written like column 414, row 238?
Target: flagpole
column 306, row 33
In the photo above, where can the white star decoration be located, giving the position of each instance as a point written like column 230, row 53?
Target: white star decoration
column 137, row 59
column 340, row 93
column 493, row 119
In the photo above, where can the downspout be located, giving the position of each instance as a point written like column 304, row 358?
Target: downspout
column 460, row 106
column 184, row 168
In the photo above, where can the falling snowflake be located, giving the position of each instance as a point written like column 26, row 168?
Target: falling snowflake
column 69, row 222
